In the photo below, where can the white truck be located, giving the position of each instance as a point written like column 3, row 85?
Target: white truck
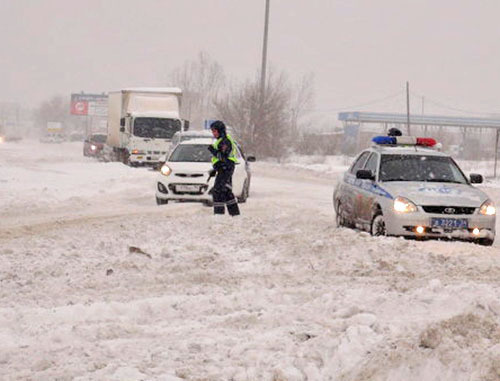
column 141, row 123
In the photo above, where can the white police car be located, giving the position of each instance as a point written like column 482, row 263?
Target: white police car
column 402, row 187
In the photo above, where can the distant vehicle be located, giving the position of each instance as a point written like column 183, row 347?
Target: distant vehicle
column 402, row 187
column 53, row 138
column 181, row 136
column 94, row 145
column 184, row 176
column 76, row 137
column 9, row 132
column 141, row 123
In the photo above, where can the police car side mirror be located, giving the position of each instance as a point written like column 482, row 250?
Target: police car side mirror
column 476, row 178
column 251, row 159
column 365, row 174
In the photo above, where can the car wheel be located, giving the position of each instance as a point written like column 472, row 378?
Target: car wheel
column 485, row 242
column 378, row 225
column 161, row 201
column 244, row 193
column 340, row 219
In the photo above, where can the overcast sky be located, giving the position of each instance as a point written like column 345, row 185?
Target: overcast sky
column 359, row 50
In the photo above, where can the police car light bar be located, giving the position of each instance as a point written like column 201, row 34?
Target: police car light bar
column 404, row 140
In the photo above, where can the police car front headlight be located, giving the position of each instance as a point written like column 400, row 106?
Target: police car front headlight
column 403, row 205
column 165, row 170
column 488, row 208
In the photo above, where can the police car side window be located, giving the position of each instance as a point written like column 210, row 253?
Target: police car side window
column 359, row 163
column 372, row 163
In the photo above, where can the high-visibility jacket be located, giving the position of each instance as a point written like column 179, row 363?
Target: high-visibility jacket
column 232, row 154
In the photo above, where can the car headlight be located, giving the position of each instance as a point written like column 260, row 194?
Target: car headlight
column 488, row 208
column 165, row 170
column 93, row 147
column 403, row 205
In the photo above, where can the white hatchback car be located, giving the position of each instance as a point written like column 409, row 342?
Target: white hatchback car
column 185, row 174
column 412, row 190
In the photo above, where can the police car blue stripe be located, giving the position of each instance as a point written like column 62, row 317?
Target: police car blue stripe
column 367, row 186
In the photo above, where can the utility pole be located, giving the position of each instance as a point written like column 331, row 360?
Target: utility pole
column 264, row 56
column 408, row 106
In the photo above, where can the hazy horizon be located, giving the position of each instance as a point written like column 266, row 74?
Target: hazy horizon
column 359, row 51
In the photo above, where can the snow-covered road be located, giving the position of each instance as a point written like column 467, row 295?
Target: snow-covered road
column 99, row 283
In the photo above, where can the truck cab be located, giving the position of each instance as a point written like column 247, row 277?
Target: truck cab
column 147, row 135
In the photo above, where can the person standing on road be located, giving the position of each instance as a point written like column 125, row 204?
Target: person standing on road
column 223, row 161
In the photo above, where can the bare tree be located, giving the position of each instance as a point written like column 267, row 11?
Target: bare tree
column 263, row 127
column 55, row 109
column 269, row 128
column 201, row 81
column 302, row 99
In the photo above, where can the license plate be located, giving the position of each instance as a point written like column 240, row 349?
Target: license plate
column 187, row 188
column 139, row 157
column 450, row 223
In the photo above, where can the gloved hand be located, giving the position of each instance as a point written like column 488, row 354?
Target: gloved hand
column 212, row 172
column 212, row 150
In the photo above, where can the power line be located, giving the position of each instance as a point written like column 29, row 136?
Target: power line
column 375, row 101
column 442, row 105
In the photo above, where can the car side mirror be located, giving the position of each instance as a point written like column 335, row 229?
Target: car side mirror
column 122, row 122
column 251, row 159
column 365, row 174
column 476, row 178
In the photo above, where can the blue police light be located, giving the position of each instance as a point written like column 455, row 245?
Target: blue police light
column 404, row 140
column 384, row 140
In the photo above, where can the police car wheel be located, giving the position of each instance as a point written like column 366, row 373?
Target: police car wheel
column 339, row 217
column 378, row 225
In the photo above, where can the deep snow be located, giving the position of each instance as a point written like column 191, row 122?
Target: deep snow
column 99, row 283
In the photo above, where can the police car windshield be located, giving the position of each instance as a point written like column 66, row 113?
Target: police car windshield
column 420, row 168
column 198, row 153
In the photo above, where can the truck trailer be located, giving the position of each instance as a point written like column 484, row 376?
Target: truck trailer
column 141, row 123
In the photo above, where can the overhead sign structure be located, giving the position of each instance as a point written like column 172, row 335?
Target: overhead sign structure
column 89, row 104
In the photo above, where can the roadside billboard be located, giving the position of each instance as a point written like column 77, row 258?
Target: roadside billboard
column 89, row 104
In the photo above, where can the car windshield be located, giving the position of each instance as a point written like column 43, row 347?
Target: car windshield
column 420, row 168
column 99, row 138
column 198, row 153
column 191, row 136
column 156, row 127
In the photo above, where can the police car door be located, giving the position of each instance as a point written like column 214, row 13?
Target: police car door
column 367, row 196
column 351, row 193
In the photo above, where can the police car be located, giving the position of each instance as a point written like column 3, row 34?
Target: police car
column 402, row 186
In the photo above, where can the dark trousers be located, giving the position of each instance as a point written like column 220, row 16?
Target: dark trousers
column 223, row 193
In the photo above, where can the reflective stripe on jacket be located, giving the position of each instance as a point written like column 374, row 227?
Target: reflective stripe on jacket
column 232, row 154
